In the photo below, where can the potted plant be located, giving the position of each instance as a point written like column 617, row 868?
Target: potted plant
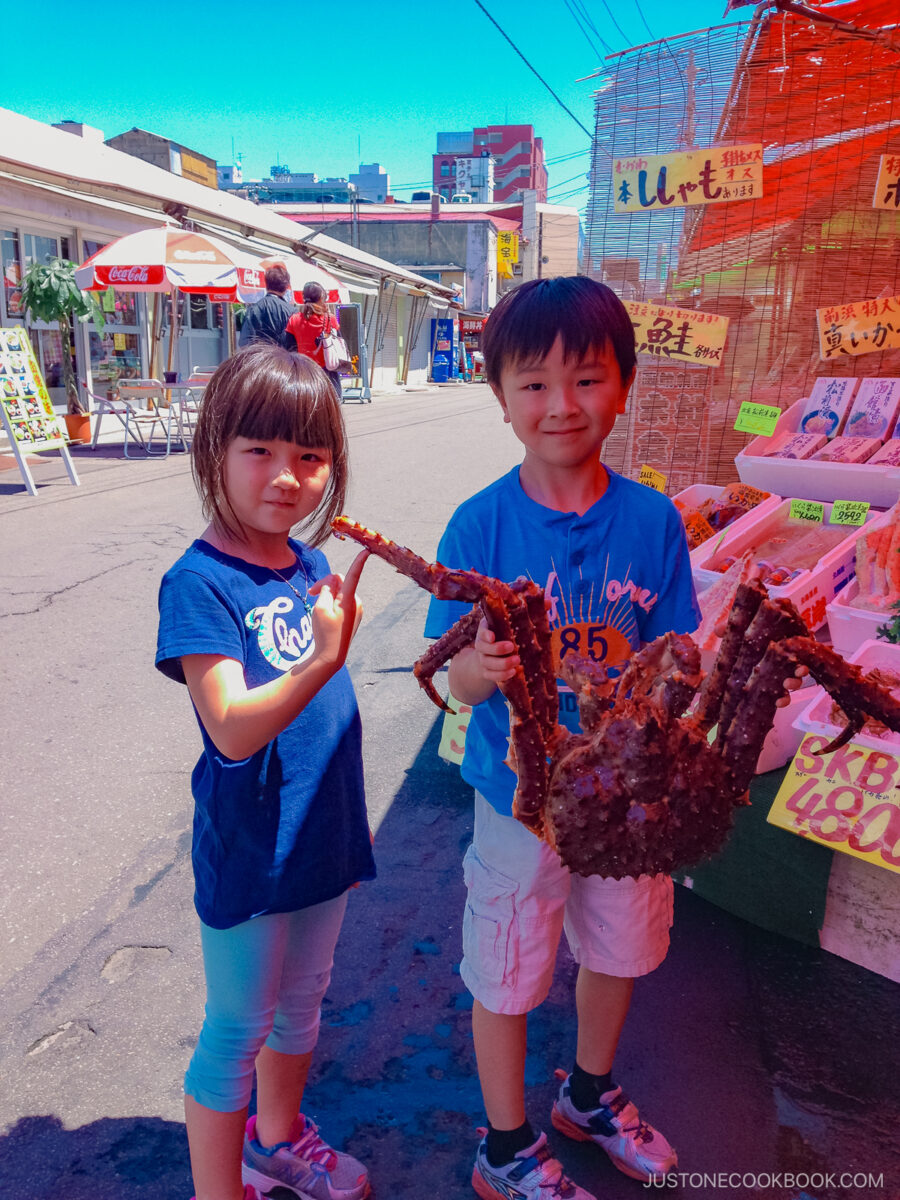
column 49, row 293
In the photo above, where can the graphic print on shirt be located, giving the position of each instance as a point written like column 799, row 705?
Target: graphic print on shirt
column 597, row 619
column 282, row 645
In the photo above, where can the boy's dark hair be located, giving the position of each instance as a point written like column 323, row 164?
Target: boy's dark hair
column 277, row 280
column 268, row 393
column 526, row 322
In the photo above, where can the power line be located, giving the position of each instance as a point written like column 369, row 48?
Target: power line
column 586, row 17
column 643, row 18
column 533, row 70
column 576, row 17
column 615, row 22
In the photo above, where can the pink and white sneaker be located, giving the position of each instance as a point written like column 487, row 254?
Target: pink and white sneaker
column 304, row 1165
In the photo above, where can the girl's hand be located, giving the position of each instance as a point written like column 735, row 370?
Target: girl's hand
column 497, row 661
column 337, row 612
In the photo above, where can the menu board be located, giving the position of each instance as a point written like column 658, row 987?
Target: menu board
column 25, row 409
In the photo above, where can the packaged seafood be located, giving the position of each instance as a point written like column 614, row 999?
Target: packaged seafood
column 825, row 410
column 848, row 450
column 800, row 445
column 888, row 455
column 874, row 411
column 878, row 563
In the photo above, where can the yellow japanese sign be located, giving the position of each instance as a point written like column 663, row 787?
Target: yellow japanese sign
column 887, row 185
column 863, row 327
column 848, row 800
column 27, row 412
column 652, row 479
column 453, row 732
column 678, row 333
column 507, row 253
column 807, row 510
column 651, row 182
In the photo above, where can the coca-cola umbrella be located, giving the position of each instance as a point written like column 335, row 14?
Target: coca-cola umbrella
column 302, row 272
column 167, row 258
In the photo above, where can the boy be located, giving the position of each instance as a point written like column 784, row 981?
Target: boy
column 560, row 357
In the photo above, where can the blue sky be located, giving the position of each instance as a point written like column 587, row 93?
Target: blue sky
column 394, row 73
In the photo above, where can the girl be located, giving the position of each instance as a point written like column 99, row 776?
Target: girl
column 256, row 626
column 305, row 328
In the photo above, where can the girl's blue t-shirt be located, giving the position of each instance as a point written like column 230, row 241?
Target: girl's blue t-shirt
column 616, row 577
column 285, row 828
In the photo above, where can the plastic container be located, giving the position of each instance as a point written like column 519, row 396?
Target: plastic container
column 784, row 738
column 812, row 589
column 693, row 497
column 849, row 626
column 809, row 479
column 816, row 717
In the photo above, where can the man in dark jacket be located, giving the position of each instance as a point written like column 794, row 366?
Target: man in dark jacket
column 266, row 320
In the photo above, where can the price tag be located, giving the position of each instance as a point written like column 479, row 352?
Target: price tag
column 849, row 512
column 652, row 479
column 807, row 510
column 848, row 800
column 119, row 342
column 453, row 732
column 757, row 418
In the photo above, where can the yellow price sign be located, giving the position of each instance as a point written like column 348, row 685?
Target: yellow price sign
column 757, row 418
column 807, row 510
column 849, row 512
column 848, row 800
column 453, row 732
column 652, row 479
column 119, row 342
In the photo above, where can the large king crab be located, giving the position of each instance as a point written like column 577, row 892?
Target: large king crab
column 646, row 787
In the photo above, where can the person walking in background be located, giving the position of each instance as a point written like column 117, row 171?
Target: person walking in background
column 266, row 320
column 256, row 625
column 305, row 328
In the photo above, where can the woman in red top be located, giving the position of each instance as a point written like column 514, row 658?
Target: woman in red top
column 305, row 328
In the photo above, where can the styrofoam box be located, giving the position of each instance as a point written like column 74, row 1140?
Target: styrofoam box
column 813, row 589
column 693, row 497
column 849, row 626
column 815, row 718
column 784, row 738
column 810, row 479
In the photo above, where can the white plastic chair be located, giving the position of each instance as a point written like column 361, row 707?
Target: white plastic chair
column 189, row 403
column 111, row 406
column 147, row 409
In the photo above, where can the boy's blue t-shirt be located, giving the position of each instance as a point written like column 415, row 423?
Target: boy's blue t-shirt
column 287, row 827
column 616, row 577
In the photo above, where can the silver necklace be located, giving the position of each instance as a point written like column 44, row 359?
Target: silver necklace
column 303, row 599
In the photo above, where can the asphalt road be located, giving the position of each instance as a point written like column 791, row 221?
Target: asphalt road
column 753, row 1053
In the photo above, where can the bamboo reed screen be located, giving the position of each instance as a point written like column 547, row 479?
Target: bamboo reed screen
column 825, row 104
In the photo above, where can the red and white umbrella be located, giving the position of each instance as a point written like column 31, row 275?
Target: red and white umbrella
column 301, row 272
column 165, row 258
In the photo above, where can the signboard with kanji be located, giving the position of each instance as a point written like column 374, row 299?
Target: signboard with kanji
column 720, row 174
column 678, row 333
column 26, row 412
column 507, row 253
column 863, row 327
column 887, row 185
column 848, row 800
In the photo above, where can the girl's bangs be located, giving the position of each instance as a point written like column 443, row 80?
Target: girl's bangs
column 303, row 411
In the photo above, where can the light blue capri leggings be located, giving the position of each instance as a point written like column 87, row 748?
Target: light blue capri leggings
column 265, row 980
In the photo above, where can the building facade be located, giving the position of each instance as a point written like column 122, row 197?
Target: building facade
column 517, row 155
column 163, row 152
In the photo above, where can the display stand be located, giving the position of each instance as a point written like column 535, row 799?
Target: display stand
column 25, row 409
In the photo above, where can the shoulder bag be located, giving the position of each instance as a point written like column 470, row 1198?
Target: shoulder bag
column 334, row 350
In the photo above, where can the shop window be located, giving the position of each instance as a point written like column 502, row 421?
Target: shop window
column 10, row 308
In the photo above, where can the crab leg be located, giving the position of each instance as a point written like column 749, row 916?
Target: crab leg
column 447, row 645
column 859, row 697
column 747, row 600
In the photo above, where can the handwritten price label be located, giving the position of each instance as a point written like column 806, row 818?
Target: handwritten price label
column 652, row 479
column 849, row 512
column 848, row 800
column 453, row 732
column 807, row 510
column 757, row 418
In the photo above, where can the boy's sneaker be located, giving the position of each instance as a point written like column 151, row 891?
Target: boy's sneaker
column 532, row 1175
column 305, row 1165
column 635, row 1147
